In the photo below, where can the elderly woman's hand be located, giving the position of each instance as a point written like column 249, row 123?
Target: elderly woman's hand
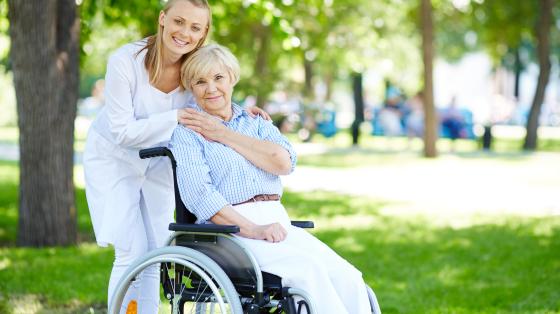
column 272, row 232
column 204, row 124
column 256, row 111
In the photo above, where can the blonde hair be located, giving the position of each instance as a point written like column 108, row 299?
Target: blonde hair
column 202, row 61
column 154, row 46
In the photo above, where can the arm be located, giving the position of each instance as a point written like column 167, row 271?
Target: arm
column 127, row 130
column 271, row 151
column 264, row 154
column 200, row 195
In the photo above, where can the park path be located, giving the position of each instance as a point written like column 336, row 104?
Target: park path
column 450, row 186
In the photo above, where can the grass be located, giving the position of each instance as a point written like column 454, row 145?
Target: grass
column 416, row 264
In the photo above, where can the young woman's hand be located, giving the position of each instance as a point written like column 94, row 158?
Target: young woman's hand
column 256, row 111
column 211, row 128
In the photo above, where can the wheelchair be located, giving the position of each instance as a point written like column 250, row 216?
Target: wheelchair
column 204, row 269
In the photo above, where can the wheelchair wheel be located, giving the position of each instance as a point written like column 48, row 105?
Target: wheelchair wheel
column 373, row 301
column 190, row 281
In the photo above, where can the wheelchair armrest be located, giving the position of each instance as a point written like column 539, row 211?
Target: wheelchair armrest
column 303, row 224
column 204, row 228
column 154, row 152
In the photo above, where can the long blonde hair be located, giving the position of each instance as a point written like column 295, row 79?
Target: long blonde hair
column 154, row 45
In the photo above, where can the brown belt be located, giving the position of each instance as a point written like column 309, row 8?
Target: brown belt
column 261, row 198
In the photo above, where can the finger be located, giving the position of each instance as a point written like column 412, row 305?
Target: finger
column 265, row 116
column 195, row 128
column 193, row 122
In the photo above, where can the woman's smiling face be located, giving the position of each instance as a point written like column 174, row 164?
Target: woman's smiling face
column 212, row 91
column 184, row 26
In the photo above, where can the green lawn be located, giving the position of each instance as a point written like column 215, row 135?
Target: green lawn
column 494, row 264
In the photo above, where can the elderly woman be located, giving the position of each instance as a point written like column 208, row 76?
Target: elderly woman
column 239, row 185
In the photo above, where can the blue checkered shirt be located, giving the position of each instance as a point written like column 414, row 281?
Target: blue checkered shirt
column 211, row 175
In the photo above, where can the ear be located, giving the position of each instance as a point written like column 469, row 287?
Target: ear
column 161, row 18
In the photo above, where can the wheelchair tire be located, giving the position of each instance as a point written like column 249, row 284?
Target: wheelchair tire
column 190, row 282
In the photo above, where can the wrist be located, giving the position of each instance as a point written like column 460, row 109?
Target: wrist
column 226, row 137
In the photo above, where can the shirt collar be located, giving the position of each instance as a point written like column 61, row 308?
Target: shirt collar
column 237, row 111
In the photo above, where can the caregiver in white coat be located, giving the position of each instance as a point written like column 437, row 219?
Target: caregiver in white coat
column 131, row 200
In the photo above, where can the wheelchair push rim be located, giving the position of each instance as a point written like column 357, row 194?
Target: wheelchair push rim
column 190, row 282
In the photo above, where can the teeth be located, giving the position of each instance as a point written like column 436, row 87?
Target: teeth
column 180, row 42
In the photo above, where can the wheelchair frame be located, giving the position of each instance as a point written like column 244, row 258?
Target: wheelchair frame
column 219, row 259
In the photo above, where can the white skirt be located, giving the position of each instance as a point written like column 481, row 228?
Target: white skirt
column 306, row 263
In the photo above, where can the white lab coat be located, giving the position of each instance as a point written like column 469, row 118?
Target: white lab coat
column 136, row 115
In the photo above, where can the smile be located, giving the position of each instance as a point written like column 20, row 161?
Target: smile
column 179, row 42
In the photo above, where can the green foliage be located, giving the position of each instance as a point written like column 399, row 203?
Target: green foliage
column 4, row 36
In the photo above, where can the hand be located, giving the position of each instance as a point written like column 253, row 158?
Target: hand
column 256, row 111
column 204, row 124
column 272, row 232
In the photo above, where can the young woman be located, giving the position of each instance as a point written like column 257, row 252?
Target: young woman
column 131, row 200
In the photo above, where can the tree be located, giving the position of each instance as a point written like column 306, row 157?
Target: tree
column 430, row 119
column 44, row 54
column 543, row 50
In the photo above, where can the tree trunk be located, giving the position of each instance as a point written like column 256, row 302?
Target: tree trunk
column 262, row 36
column 517, row 68
column 543, row 50
column 358, row 106
column 329, row 81
column 430, row 119
column 45, row 42
column 308, row 91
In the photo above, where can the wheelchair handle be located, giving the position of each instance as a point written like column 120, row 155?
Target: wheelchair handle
column 156, row 152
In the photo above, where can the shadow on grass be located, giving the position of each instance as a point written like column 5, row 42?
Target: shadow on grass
column 508, row 265
column 481, row 269
column 51, row 278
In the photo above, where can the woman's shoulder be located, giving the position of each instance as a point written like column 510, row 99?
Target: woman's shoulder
column 133, row 51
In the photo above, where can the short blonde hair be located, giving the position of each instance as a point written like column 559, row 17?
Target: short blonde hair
column 201, row 62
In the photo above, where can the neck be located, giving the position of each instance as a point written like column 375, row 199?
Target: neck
column 225, row 114
column 170, row 59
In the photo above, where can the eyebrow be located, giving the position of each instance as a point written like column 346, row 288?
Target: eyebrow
column 183, row 19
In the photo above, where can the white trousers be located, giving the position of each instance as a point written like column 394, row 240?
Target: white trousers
column 145, row 289
column 306, row 263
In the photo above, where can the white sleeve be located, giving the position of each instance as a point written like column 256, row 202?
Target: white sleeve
column 126, row 129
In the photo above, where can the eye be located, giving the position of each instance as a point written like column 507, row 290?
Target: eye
column 178, row 21
column 199, row 82
column 195, row 29
column 219, row 77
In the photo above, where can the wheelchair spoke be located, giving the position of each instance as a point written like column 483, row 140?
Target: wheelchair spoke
column 186, row 287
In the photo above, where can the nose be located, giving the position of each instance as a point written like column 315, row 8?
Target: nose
column 185, row 31
column 211, row 87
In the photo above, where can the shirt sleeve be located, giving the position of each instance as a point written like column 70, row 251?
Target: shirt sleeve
column 197, row 190
column 269, row 132
column 126, row 129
